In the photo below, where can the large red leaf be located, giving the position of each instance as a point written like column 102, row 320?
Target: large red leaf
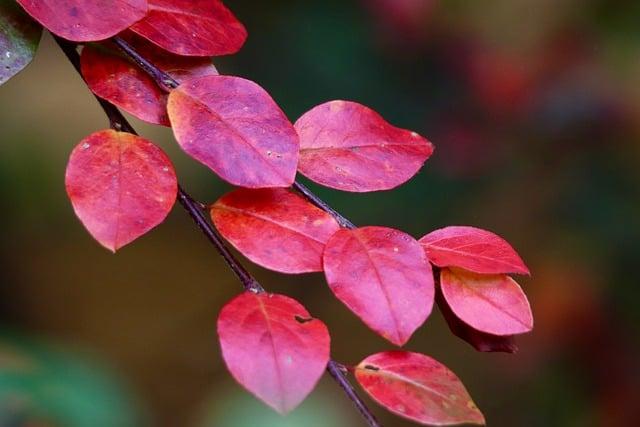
column 113, row 77
column 473, row 249
column 275, row 228
column 383, row 276
column 273, row 347
column 19, row 38
column 494, row 304
column 350, row 147
column 234, row 127
column 120, row 185
column 417, row 387
column 192, row 27
column 86, row 20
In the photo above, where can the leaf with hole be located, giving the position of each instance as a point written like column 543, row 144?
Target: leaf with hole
column 383, row 276
column 120, row 186
column 418, row 388
column 234, row 127
column 85, row 20
column 347, row 146
column 273, row 347
column 19, row 39
column 114, row 78
column 192, row 27
column 473, row 249
column 494, row 304
column 275, row 228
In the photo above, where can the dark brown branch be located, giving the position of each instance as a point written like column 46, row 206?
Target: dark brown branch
column 195, row 210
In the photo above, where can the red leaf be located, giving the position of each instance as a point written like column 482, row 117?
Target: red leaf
column 273, row 347
column 85, row 20
column 350, row 147
column 494, row 304
column 120, row 185
column 192, row 27
column 275, row 228
column 114, row 78
column 418, row 388
column 234, row 127
column 473, row 249
column 478, row 340
column 383, row 276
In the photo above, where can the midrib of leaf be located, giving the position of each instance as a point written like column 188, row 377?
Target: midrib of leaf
column 263, row 309
column 473, row 255
column 383, row 372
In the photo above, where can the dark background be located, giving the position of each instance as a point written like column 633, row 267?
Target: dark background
column 534, row 108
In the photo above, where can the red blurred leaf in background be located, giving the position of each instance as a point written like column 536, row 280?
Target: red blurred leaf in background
column 19, row 39
column 234, row 127
column 417, row 387
column 347, row 146
column 273, row 347
column 383, row 276
column 275, row 228
column 192, row 27
column 120, row 185
column 114, row 78
column 473, row 249
column 85, row 20
column 494, row 304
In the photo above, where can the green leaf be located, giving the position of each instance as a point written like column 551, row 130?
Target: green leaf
column 19, row 39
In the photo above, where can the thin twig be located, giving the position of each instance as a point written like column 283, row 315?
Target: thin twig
column 194, row 209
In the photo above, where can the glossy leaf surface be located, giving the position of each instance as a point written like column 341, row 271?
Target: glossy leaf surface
column 417, row 387
column 234, row 127
column 494, row 304
column 120, row 185
column 114, row 78
column 473, row 249
column 347, row 146
column 86, row 20
column 383, row 276
column 19, row 38
column 192, row 27
column 273, row 347
column 275, row 228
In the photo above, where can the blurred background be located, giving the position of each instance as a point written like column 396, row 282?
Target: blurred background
column 534, row 109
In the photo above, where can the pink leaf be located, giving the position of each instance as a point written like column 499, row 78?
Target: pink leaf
column 347, row 146
column 418, row 388
column 383, row 276
column 273, row 347
column 494, row 304
column 473, row 249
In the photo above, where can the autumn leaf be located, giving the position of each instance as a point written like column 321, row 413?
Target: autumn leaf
column 19, row 39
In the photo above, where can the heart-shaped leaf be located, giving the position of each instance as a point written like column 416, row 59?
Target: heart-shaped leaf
column 19, row 39
column 473, row 249
column 234, row 127
column 85, row 20
column 383, row 276
column 347, row 146
column 275, row 228
column 494, row 304
column 120, row 185
column 192, row 27
column 113, row 77
column 273, row 347
column 417, row 387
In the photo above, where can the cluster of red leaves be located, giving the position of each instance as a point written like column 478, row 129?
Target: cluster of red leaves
column 122, row 185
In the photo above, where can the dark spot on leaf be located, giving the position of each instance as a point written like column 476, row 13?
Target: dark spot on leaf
column 371, row 368
column 303, row 320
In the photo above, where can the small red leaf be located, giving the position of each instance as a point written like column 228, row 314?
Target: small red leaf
column 350, row 147
column 234, row 127
column 479, row 340
column 192, row 27
column 383, row 276
column 120, row 185
column 418, row 388
column 273, row 347
column 85, row 20
column 473, row 249
column 113, row 77
column 275, row 228
column 494, row 304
